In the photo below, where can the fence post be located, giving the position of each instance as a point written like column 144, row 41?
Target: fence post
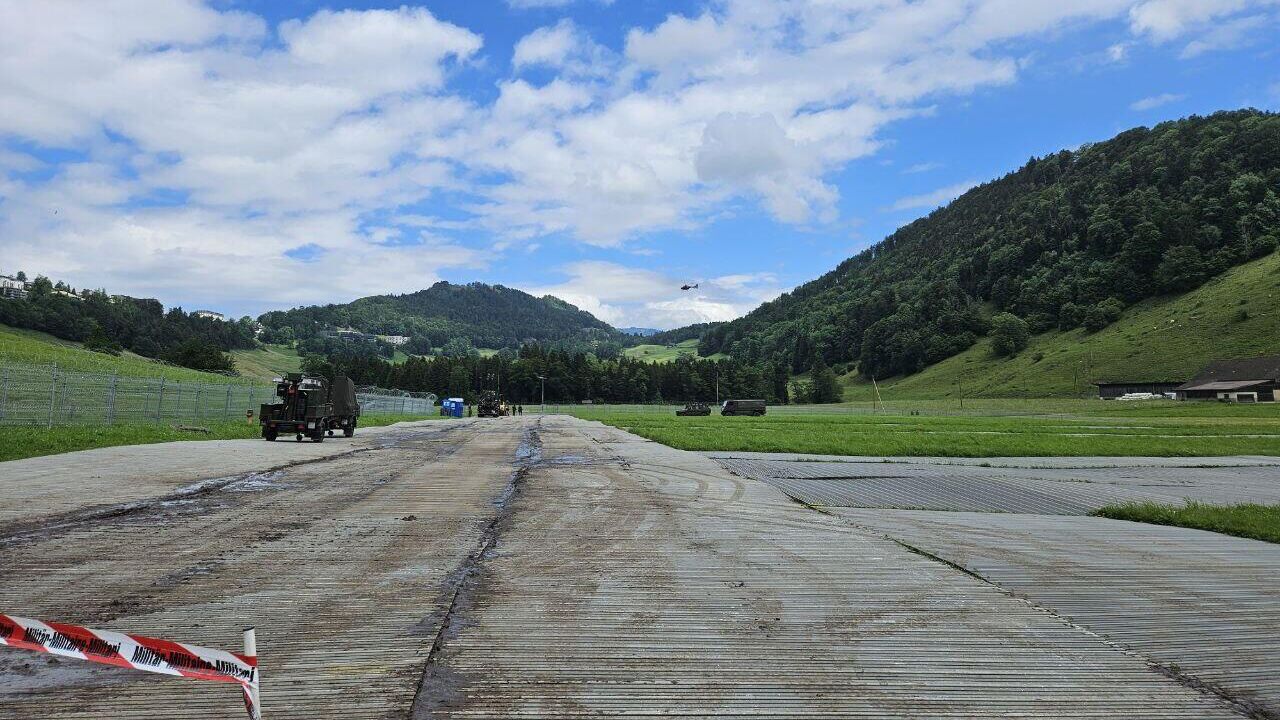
column 53, row 389
column 198, row 397
column 111, row 400
column 226, row 409
column 160, row 401
column 4, row 390
column 177, row 402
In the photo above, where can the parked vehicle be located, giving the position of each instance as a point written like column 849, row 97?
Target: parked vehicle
column 310, row 407
column 694, row 409
column 490, row 405
column 742, row 407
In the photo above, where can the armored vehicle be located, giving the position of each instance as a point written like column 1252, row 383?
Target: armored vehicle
column 694, row 409
column 742, row 407
column 311, row 407
column 490, row 405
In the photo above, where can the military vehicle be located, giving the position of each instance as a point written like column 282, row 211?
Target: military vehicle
column 490, row 405
column 311, row 407
column 742, row 407
column 694, row 409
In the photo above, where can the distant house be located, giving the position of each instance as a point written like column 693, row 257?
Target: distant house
column 208, row 315
column 1248, row 380
column 11, row 288
column 1111, row 390
column 394, row 339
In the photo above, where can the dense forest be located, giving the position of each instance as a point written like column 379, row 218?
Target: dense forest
column 488, row 316
column 680, row 334
column 111, row 323
column 570, row 377
column 1067, row 241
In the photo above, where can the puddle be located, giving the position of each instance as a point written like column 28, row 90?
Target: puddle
column 258, row 482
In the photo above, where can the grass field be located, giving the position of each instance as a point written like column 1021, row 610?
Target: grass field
column 35, row 348
column 1234, row 315
column 666, row 353
column 1259, row 522
column 267, row 362
column 1196, row 431
column 24, row 442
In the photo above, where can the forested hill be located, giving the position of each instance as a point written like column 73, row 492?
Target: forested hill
column 490, row 316
column 1066, row 241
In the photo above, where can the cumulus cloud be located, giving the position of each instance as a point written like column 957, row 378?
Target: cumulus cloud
column 629, row 296
column 196, row 136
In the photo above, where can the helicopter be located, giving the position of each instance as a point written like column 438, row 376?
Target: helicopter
column 689, row 287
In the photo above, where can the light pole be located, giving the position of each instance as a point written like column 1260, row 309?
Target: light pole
column 542, row 382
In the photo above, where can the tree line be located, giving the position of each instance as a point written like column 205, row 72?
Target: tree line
column 574, row 377
column 112, row 323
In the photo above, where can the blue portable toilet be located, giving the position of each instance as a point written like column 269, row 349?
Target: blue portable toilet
column 452, row 407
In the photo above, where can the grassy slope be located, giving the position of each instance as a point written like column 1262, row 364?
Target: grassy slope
column 1259, row 522
column 974, row 436
column 1167, row 338
column 36, row 348
column 267, row 362
column 665, row 353
column 24, row 442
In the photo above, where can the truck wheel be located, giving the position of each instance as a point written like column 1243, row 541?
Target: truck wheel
column 318, row 436
column 349, row 430
column 269, row 434
column 298, row 438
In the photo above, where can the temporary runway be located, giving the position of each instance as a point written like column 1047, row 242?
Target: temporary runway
column 556, row 568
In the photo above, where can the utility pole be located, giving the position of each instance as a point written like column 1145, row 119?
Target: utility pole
column 542, row 382
column 960, row 382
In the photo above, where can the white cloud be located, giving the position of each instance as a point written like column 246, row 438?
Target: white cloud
column 1155, row 101
column 626, row 296
column 922, row 168
column 941, row 196
column 1229, row 35
column 324, row 129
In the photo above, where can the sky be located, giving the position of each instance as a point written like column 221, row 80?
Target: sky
column 247, row 156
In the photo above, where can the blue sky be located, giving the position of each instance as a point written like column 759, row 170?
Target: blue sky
column 247, row 156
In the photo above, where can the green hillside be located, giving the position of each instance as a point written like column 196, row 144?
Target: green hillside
column 1236, row 314
column 36, row 348
column 1068, row 242
column 267, row 362
column 491, row 316
column 662, row 353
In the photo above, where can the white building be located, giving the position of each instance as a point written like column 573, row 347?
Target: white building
column 208, row 314
column 394, row 339
column 11, row 288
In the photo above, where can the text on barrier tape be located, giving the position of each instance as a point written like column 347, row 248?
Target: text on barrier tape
column 135, row 651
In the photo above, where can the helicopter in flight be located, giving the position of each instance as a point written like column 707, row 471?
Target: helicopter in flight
column 687, row 286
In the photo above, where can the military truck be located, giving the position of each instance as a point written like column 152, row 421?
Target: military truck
column 310, row 407
column 490, row 405
column 694, row 409
column 742, row 407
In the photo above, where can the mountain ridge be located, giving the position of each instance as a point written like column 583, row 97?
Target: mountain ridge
column 1068, row 240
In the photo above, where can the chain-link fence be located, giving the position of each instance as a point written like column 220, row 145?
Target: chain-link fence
column 378, row 401
column 47, row 395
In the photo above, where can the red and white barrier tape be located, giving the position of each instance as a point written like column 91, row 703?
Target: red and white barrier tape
column 139, row 653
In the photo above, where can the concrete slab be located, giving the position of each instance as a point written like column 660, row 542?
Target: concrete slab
column 41, row 486
column 534, row 567
column 1205, row 606
column 1043, row 490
